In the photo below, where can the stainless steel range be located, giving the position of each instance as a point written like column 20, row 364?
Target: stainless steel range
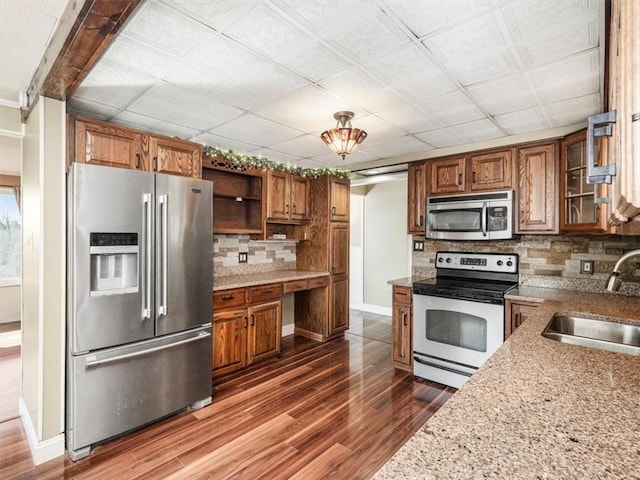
column 459, row 314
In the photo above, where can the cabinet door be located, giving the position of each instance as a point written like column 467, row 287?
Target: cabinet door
column 578, row 211
column 491, row 171
column 176, row 157
column 417, row 193
column 517, row 313
column 278, row 195
column 110, row 145
column 265, row 331
column 300, row 200
column 339, row 249
column 402, row 326
column 229, row 341
column 537, row 192
column 447, row 175
column 339, row 199
column 339, row 298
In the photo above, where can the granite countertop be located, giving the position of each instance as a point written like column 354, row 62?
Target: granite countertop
column 262, row 278
column 405, row 282
column 538, row 408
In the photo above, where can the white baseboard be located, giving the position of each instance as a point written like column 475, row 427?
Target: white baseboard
column 10, row 318
column 367, row 307
column 287, row 329
column 41, row 451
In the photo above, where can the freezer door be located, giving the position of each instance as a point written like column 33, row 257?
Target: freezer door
column 110, row 254
column 184, row 253
column 118, row 389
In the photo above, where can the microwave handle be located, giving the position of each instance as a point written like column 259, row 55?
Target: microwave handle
column 484, row 219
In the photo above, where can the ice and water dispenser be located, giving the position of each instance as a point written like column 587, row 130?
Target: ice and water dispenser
column 114, row 263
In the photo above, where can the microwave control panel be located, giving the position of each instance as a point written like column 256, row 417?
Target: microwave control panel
column 486, row 262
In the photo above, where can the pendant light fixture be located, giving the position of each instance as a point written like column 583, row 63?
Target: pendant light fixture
column 343, row 139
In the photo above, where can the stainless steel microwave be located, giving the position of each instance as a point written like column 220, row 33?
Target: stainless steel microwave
column 473, row 216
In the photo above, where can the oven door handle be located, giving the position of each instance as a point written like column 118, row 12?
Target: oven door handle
column 448, row 366
column 484, row 219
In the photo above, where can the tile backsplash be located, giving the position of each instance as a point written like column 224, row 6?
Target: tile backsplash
column 551, row 261
column 262, row 256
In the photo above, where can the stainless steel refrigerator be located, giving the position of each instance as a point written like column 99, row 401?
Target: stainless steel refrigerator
column 139, row 298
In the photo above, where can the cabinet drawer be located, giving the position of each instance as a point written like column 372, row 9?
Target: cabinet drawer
column 229, row 298
column 402, row 295
column 319, row 282
column 264, row 293
column 295, row 286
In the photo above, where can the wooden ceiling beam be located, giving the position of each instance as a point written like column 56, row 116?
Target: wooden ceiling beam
column 86, row 29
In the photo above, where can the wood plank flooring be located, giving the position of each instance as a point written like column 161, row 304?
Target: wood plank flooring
column 334, row 410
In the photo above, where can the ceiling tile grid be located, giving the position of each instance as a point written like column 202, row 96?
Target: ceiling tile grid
column 265, row 77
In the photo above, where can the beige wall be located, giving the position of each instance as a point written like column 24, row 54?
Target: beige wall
column 43, row 277
column 10, row 119
column 386, row 253
column 10, row 304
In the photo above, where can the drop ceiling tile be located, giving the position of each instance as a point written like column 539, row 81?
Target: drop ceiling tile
column 355, row 86
column 452, row 108
column 256, row 130
column 309, row 109
column 275, row 81
column 275, row 156
column 163, row 101
column 213, row 140
column 377, row 129
column 410, row 71
column 218, row 15
column 112, row 85
column 137, row 56
column 173, row 130
column 570, row 77
column 368, row 37
column 165, row 28
column 309, row 163
column 312, row 60
column 444, row 137
column 331, row 160
column 523, row 121
column 478, row 130
column 409, row 119
column 302, row 146
column 575, row 110
column 503, row 95
column 194, row 79
column 395, row 146
column 473, row 51
column 205, row 115
column 429, row 16
column 135, row 120
column 265, row 30
column 79, row 106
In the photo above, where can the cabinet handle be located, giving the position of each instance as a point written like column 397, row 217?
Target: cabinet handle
column 286, row 209
column 421, row 220
column 294, row 208
column 459, row 179
column 137, row 160
column 333, row 210
column 246, row 322
column 269, row 290
column 226, row 297
column 404, row 294
column 516, row 322
column 155, row 163
column 253, row 320
column 404, row 319
column 474, row 177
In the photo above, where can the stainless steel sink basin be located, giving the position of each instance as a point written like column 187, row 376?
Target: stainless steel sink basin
column 594, row 333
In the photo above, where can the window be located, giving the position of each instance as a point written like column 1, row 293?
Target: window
column 10, row 239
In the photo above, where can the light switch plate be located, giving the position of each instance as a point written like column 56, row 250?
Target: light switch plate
column 586, row 267
column 418, row 246
column 242, row 257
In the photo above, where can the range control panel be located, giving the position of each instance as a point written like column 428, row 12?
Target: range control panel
column 484, row 262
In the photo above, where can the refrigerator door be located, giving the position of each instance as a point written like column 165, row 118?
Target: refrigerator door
column 110, row 220
column 184, row 253
column 118, row 389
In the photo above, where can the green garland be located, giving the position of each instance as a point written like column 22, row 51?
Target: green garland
column 262, row 163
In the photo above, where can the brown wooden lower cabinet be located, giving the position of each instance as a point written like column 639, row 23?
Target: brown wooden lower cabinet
column 229, row 341
column 516, row 312
column 339, row 311
column 402, row 320
column 265, row 331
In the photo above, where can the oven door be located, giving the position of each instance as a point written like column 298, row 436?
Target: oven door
column 455, row 335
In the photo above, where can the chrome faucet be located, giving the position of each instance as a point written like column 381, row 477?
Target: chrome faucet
column 614, row 282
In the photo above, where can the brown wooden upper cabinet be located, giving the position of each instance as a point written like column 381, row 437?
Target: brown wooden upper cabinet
column 491, row 171
column 340, row 195
column 175, row 156
column 417, row 180
column 578, row 211
column 287, row 197
column 537, row 192
column 447, row 175
column 103, row 143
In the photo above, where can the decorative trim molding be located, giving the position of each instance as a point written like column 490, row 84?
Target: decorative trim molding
column 288, row 329
column 41, row 451
column 262, row 163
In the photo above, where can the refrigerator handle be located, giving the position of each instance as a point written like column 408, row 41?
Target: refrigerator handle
column 163, row 201
column 147, row 199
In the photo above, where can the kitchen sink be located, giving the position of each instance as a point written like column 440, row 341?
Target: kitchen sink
column 595, row 333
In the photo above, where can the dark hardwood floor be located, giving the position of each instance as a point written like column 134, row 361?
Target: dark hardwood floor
column 333, row 410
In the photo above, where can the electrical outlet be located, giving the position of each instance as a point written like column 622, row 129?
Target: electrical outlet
column 418, row 246
column 586, row 267
column 242, row 257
